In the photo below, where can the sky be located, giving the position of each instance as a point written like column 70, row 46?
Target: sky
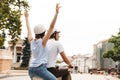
column 82, row 23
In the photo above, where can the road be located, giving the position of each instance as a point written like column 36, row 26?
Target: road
column 23, row 75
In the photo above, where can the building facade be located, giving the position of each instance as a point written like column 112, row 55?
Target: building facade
column 17, row 51
column 98, row 61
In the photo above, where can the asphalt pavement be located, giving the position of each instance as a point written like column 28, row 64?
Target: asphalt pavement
column 23, row 75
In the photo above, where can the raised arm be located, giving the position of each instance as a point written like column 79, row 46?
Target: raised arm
column 66, row 60
column 28, row 25
column 49, row 32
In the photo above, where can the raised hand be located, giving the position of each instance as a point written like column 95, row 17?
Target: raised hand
column 57, row 7
column 26, row 13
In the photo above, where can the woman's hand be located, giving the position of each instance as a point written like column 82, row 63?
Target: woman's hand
column 57, row 8
column 26, row 13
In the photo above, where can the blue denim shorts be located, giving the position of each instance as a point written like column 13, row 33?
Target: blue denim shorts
column 41, row 71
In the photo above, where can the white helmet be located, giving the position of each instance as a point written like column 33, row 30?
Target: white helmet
column 38, row 29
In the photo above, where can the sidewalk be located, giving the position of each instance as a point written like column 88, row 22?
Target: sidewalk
column 23, row 75
column 92, row 77
column 14, row 73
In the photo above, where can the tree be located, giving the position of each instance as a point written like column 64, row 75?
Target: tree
column 115, row 52
column 108, row 54
column 26, row 53
column 10, row 15
column 2, row 40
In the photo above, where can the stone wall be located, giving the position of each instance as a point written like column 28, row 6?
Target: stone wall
column 5, row 60
column 5, row 65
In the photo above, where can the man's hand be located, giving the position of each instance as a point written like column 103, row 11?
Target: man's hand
column 70, row 66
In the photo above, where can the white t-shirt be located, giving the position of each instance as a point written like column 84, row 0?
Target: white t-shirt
column 54, row 48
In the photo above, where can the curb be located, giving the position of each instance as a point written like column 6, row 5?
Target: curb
column 14, row 73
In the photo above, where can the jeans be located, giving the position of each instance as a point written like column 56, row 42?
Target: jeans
column 42, row 72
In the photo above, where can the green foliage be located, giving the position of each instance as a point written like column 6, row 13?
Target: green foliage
column 26, row 53
column 115, row 52
column 58, row 61
column 108, row 54
column 2, row 40
column 10, row 15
